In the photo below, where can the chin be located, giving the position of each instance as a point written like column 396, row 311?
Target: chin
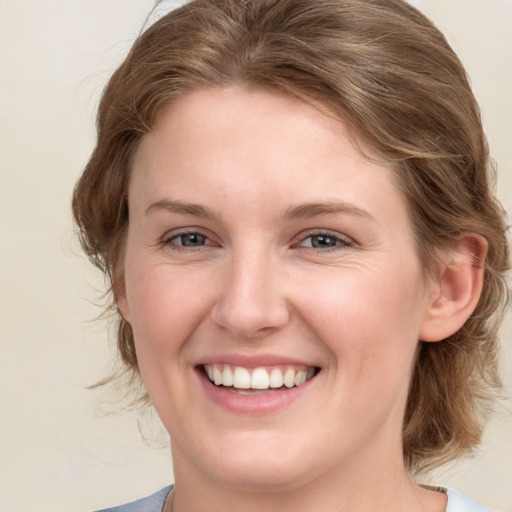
column 260, row 463
column 258, row 477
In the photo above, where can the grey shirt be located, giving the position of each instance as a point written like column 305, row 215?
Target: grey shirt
column 457, row 502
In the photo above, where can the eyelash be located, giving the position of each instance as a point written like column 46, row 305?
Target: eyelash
column 340, row 241
column 169, row 240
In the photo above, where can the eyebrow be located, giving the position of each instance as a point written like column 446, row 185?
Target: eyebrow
column 300, row 211
column 332, row 207
column 182, row 208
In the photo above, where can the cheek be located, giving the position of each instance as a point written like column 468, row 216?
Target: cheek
column 360, row 300
column 166, row 304
column 368, row 320
column 165, row 311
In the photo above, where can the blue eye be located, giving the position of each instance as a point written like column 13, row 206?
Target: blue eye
column 323, row 241
column 189, row 239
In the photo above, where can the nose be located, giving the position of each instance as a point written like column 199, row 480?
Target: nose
column 252, row 302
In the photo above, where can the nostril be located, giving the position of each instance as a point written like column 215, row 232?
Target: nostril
column 250, row 303
column 250, row 321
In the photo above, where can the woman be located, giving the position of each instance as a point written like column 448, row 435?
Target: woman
column 291, row 201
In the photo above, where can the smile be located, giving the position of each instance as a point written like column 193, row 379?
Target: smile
column 262, row 378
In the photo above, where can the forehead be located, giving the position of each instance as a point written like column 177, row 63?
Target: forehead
column 230, row 118
column 247, row 142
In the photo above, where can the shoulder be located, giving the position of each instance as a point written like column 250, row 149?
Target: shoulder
column 153, row 503
column 458, row 502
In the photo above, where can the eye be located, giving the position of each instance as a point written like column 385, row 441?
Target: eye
column 324, row 241
column 189, row 239
column 185, row 240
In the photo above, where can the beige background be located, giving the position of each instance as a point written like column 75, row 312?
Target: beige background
column 59, row 450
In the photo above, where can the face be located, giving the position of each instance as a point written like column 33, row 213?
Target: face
column 267, row 255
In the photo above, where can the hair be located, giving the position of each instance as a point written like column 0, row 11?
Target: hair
column 382, row 68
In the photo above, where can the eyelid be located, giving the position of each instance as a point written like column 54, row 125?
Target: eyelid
column 167, row 238
column 173, row 235
column 345, row 240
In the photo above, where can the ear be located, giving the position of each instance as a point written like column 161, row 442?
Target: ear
column 456, row 292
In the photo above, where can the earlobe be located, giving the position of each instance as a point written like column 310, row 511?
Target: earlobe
column 457, row 291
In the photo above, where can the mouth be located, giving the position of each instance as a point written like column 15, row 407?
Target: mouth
column 261, row 380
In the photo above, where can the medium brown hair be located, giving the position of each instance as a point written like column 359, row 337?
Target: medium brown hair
column 386, row 71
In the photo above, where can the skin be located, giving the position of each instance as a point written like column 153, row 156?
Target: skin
column 260, row 282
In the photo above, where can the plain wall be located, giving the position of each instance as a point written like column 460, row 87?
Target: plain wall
column 59, row 450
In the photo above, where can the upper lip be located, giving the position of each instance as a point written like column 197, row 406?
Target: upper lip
column 254, row 360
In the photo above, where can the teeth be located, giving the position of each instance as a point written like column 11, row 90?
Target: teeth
column 241, row 378
column 300, row 377
column 260, row 378
column 289, row 378
column 276, row 378
column 227, row 376
column 217, row 376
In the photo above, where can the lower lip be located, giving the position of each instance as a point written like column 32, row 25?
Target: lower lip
column 252, row 404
